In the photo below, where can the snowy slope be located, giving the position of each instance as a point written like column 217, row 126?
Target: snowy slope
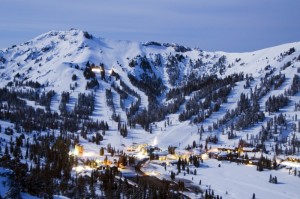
column 51, row 60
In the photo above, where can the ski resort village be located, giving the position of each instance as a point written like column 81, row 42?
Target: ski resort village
column 89, row 117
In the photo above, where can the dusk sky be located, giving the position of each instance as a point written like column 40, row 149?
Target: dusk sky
column 227, row 25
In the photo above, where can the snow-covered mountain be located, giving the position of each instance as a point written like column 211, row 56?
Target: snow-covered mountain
column 99, row 92
column 51, row 57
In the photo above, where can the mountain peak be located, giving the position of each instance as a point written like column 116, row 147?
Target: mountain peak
column 62, row 34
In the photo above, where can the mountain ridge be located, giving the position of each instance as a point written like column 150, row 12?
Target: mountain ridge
column 88, row 48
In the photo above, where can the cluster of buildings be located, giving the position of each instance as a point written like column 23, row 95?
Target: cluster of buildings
column 244, row 155
column 153, row 152
column 145, row 151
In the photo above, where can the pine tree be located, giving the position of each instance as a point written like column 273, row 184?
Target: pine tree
column 194, row 144
column 172, row 175
column 179, row 165
column 101, row 151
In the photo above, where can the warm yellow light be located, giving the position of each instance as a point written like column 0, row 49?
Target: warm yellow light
column 98, row 161
column 96, row 70
column 204, row 156
column 152, row 173
column 78, row 169
column 76, row 152
column 140, row 155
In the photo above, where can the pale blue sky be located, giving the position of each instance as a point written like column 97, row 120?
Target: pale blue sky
column 228, row 25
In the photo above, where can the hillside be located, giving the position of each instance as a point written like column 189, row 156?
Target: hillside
column 73, row 87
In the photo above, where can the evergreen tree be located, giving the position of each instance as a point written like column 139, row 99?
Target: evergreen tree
column 275, row 180
column 101, row 151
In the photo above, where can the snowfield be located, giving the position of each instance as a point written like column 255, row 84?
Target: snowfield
column 234, row 181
